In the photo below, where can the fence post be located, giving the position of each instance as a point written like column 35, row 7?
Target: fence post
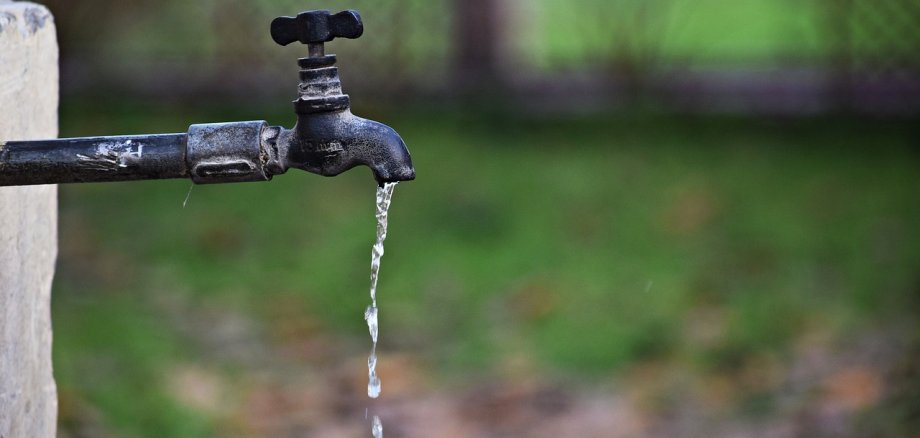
column 28, row 224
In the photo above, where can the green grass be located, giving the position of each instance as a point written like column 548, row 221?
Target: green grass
column 586, row 244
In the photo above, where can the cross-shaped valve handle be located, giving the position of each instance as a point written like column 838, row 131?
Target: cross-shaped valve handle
column 316, row 27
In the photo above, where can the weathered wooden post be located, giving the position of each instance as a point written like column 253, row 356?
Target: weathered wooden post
column 28, row 224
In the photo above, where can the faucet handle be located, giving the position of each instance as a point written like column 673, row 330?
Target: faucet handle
column 316, row 27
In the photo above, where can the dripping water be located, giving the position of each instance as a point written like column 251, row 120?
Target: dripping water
column 384, row 195
column 187, row 196
column 377, row 427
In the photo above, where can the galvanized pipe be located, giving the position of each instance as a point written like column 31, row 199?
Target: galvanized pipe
column 326, row 142
column 327, row 139
column 93, row 159
column 208, row 153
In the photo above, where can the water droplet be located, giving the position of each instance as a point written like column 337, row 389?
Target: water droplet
column 188, row 195
column 373, row 385
column 377, row 427
column 370, row 315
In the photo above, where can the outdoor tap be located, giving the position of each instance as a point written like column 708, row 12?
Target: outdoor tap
column 327, row 138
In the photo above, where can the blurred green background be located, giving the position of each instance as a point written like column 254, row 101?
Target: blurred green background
column 631, row 218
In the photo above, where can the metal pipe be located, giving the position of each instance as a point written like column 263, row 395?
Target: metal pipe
column 327, row 138
column 209, row 153
column 93, row 159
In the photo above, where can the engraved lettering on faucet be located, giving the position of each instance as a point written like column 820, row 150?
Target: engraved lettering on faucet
column 325, row 147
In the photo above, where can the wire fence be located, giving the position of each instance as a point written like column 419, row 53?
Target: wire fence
column 843, row 54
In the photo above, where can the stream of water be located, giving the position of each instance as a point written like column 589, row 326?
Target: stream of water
column 384, row 196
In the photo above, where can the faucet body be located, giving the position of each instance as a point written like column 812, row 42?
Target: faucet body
column 327, row 138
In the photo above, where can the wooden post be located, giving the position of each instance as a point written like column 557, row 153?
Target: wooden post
column 478, row 36
column 28, row 224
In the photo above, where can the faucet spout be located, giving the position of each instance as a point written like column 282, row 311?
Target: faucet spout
column 379, row 147
column 329, row 143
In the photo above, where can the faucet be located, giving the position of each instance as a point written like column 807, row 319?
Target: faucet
column 327, row 138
